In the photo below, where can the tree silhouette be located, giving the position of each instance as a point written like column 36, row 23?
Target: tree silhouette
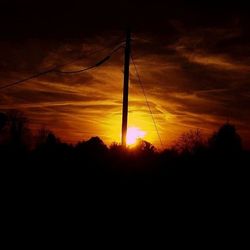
column 190, row 142
column 144, row 147
column 47, row 141
column 226, row 140
column 51, row 139
column 14, row 130
column 116, row 148
column 96, row 145
column 92, row 161
column 92, row 148
column 41, row 137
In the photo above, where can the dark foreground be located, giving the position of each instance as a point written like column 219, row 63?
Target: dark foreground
column 123, row 195
column 54, row 174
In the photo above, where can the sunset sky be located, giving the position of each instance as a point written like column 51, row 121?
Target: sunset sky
column 193, row 59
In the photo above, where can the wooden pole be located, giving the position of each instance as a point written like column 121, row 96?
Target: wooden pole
column 126, row 88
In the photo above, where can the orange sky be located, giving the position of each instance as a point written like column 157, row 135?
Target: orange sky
column 79, row 106
column 196, row 75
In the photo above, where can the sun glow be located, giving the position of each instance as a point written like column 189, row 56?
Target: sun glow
column 133, row 134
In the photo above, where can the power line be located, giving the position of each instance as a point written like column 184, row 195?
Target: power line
column 26, row 79
column 45, row 72
column 99, row 63
column 146, row 99
column 119, row 42
column 54, row 69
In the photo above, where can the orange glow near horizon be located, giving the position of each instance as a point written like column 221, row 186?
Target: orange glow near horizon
column 140, row 126
column 133, row 134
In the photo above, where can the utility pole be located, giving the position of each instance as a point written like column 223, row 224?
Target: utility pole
column 126, row 87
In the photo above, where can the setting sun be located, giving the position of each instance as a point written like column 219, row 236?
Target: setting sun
column 133, row 134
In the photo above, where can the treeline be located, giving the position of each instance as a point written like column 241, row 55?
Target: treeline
column 192, row 157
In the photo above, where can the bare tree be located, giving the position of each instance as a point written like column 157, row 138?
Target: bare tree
column 190, row 142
